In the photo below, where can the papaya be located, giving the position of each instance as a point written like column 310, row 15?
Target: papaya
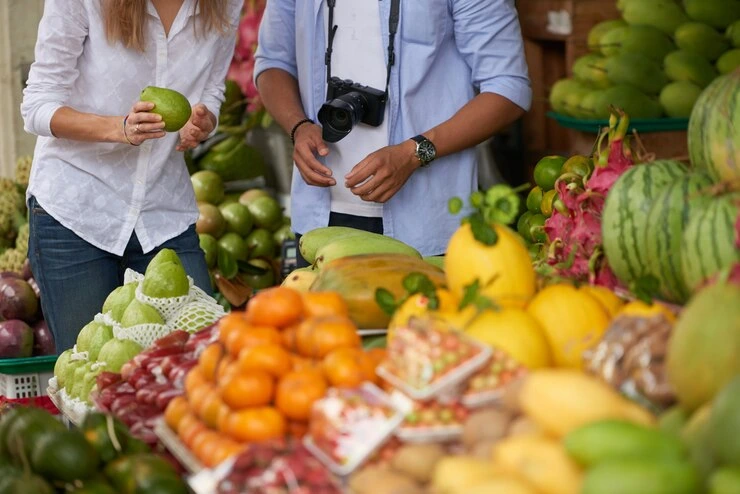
column 358, row 277
column 639, row 476
column 370, row 243
column 610, row 439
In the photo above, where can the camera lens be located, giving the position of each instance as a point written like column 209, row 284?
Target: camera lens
column 339, row 115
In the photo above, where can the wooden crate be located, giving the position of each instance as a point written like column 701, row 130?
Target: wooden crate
column 660, row 145
column 550, row 56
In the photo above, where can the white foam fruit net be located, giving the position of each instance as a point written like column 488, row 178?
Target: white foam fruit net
column 143, row 334
column 196, row 315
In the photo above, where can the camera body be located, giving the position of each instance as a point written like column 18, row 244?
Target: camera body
column 349, row 103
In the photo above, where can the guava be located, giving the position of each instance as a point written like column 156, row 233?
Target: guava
column 119, row 299
column 165, row 280
column 92, row 337
column 117, row 352
column 140, row 313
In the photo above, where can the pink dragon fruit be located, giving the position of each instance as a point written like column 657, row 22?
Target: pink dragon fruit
column 242, row 64
column 574, row 231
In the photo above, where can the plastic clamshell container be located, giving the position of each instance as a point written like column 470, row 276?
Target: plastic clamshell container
column 432, row 382
column 355, row 434
column 503, row 370
column 425, row 433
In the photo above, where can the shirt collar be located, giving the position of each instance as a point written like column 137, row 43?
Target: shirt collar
column 187, row 5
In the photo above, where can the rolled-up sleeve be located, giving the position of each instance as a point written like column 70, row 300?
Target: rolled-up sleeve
column 276, row 41
column 213, row 94
column 488, row 34
column 61, row 35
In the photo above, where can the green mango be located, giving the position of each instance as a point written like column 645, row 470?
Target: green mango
column 173, row 106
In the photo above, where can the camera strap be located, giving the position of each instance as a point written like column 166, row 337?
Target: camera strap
column 392, row 29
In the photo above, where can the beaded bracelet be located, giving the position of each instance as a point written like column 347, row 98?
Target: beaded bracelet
column 295, row 127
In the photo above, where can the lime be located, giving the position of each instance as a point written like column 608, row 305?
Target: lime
column 547, row 201
column 209, row 246
column 208, row 186
column 522, row 226
column 238, row 218
column 266, row 212
column 537, row 228
column 547, row 171
column 229, row 198
column 260, row 244
column 262, row 280
column 578, row 165
column 250, row 195
column 534, row 198
column 210, row 220
column 234, row 245
column 282, row 234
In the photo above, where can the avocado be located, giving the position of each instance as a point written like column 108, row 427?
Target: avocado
column 96, row 431
column 172, row 106
column 26, row 430
column 65, row 456
column 127, row 472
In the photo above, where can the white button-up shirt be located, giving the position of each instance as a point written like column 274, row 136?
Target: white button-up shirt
column 106, row 191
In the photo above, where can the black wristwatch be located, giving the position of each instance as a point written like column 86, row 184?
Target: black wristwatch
column 425, row 150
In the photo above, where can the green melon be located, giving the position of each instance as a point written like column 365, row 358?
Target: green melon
column 713, row 139
column 665, row 225
column 709, row 238
column 624, row 219
column 704, row 346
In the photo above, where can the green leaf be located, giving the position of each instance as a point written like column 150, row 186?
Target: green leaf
column 482, row 231
column 471, row 293
column 416, row 282
column 386, row 301
column 227, row 264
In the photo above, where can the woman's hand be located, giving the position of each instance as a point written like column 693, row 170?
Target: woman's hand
column 198, row 128
column 142, row 125
column 309, row 143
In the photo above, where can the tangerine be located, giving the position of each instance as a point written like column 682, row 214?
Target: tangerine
column 318, row 336
column 298, row 391
column 324, row 304
column 194, row 379
column 210, row 359
column 253, row 425
column 278, row 306
column 348, row 367
column 247, row 389
column 251, row 336
column 233, row 321
column 176, row 409
column 271, row 358
column 211, row 409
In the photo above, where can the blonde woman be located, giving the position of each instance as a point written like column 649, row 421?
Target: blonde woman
column 109, row 187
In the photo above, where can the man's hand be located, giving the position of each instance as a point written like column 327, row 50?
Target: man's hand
column 197, row 129
column 386, row 170
column 308, row 144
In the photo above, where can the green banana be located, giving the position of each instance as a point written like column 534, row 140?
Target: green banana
column 361, row 244
column 313, row 240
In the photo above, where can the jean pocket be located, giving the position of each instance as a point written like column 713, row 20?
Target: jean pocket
column 423, row 21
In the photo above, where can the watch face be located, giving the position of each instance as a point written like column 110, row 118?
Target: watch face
column 426, row 151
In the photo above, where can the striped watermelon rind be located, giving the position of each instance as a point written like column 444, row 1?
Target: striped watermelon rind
column 624, row 218
column 714, row 129
column 708, row 244
column 664, row 233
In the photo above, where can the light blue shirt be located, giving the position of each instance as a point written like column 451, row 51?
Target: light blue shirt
column 445, row 49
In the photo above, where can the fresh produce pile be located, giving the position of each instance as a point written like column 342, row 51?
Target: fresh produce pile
column 655, row 61
column 39, row 455
column 23, row 330
column 13, row 218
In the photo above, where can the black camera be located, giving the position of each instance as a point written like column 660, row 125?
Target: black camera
column 347, row 104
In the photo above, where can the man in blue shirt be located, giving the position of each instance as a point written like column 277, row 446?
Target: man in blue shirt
column 454, row 74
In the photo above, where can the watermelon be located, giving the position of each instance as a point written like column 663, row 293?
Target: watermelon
column 664, row 232
column 708, row 244
column 713, row 138
column 624, row 219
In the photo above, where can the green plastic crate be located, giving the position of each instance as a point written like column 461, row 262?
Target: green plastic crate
column 26, row 377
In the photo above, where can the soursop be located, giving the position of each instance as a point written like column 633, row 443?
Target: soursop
column 678, row 98
column 701, row 39
column 682, row 65
column 717, row 13
column 636, row 70
column 665, row 15
column 729, row 61
column 23, row 170
column 12, row 260
column 645, row 40
column 21, row 241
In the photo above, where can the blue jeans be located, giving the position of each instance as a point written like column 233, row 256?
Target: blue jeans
column 75, row 277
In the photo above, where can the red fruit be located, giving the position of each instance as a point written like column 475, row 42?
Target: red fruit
column 175, row 339
column 142, row 380
column 105, row 379
column 128, row 369
column 169, row 363
column 164, row 398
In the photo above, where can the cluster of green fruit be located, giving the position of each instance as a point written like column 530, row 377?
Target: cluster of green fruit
column 654, row 61
column 543, row 199
column 39, row 455
column 241, row 234
column 13, row 221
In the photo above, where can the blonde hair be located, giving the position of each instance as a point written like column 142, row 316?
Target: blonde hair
column 125, row 20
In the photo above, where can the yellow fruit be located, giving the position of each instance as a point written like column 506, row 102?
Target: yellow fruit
column 573, row 321
column 514, row 331
column 455, row 474
column 608, row 299
column 640, row 308
column 562, row 400
column 502, row 485
column 300, row 279
column 541, row 461
column 504, row 270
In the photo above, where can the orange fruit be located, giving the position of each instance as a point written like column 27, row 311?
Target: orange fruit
column 225, row 449
column 297, row 429
column 210, row 359
column 271, row 358
column 251, row 336
column 176, row 409
column 289, row 337
column 324, row 304
column 318, row 336
column 247, row 389
column 190, row 427
column 297, row 392
column 211, row 409
column 377, row 354
column 198, row 396
column 277, row 306
column 348, row 367
column 204, row 444
column 225, row 366
column 256, row 425
column 233, row 321
column 303, row 363
column 194, row 379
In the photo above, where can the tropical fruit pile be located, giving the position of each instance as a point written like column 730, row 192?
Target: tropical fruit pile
column 133, row 316
column 654, row 61
column 41, row 456
column 23, row 330
column 267, row 367
column 13, row 218
column 240, row 234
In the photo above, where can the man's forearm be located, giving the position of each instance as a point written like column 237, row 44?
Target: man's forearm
column 482, row 117
column 68, row 123
column 279, row 93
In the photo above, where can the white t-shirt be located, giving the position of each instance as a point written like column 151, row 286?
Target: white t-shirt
column 358, row 54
